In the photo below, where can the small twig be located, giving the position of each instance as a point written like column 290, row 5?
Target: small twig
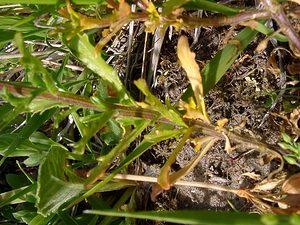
column 192, row 22
column 19, row 55
column 9, row 6
column 140, row 178
column 72, row 67
column 279, row 15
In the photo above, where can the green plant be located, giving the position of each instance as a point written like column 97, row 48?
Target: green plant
column 290, row 144
column 74, row 129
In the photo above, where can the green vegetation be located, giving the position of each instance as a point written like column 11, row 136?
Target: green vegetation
column 69, row 127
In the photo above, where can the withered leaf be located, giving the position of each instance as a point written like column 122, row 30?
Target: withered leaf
column 189, row 64
column 292, row 185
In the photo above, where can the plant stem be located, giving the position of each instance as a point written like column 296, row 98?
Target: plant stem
column 139, row 178
column 124, row 111
column 279, row 15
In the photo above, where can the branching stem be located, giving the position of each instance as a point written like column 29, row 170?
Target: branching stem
column 125, row 111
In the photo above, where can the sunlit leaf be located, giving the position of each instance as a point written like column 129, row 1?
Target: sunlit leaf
column 188, row 62
column 85, row 52
column 155, row 104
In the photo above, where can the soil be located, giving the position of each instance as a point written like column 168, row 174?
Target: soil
column 241, row 96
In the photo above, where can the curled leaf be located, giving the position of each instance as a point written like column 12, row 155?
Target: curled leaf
column 292, row 185
column 189, row 64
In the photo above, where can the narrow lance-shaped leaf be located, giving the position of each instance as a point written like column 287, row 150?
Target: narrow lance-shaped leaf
column 85, row 52
column 164, row 176
column 105, row 161
column 189, row 64
column 156, row 104
column 222, row 61
column 199, row 217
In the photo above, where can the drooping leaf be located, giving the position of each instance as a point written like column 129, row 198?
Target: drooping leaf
column 189, row 64
column 222, row 61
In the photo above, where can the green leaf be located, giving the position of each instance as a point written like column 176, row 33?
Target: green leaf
column 163, row 132
column 18, row 195
column 40, row 220
column 285, row 145
column 286, row 138
column 25, row 216
column 66, row 218
column 34, row 67
column 156, row 104
column 85, row 52
column 32, row 125
column 222, row 61
column 113, row 134
column 106, row 160
column 16, row 181
column 52, row 190
column 49, row 2
column 294, row 219
column 212, row 6
column 290, row 159
column 193, row 217
column 87, row 131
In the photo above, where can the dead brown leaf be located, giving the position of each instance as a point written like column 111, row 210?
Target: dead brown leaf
column 294, row 68
column 292, row 185
column 252, row 175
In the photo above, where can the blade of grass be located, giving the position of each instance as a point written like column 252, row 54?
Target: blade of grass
column 211, row 6
column 195, row 217
column 32, row 125
column 17, row 195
